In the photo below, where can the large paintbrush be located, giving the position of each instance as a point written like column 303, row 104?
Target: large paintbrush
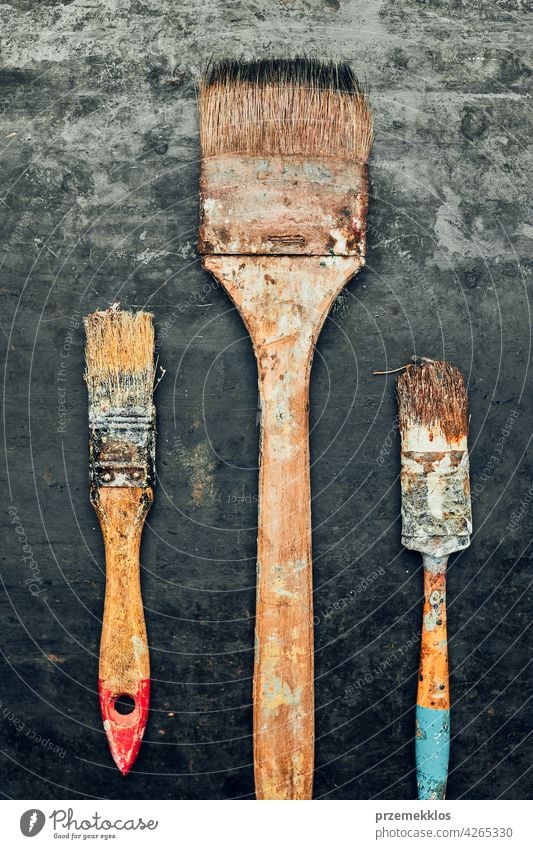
column 436, row 520
column 120, row 381
column 285, row 146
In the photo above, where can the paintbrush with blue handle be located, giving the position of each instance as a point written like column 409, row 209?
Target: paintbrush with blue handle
column 436, row 521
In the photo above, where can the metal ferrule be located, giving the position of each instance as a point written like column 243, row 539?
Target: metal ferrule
column 122, row 447
column 436, row 508
column 283, row 205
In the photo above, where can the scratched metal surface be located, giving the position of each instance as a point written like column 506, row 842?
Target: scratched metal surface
column 99, row 201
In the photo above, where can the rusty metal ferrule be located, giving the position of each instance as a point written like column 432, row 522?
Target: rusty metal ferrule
column 283, row 205
column 436, row 508
column 122, row 448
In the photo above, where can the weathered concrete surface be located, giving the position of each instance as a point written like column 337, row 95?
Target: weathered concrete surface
column 98, row 202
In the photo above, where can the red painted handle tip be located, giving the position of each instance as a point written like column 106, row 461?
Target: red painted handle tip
column 124, row 731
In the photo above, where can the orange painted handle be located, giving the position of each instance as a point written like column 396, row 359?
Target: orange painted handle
column 433, row 684
column 283, row 674
column 124, row 659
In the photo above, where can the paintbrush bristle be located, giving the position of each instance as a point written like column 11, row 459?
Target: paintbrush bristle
column 120, row 358
column 433, row 395
column 284, row 107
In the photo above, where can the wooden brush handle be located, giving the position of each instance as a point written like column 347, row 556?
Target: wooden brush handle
column 283, row 301
column 283, row 674
column 432, row 742
column 124, row 659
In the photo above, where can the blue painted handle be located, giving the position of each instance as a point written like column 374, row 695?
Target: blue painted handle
column 432, row 745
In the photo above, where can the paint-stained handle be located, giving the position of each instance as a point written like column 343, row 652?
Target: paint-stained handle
column 283, row 675
column 433, row 697
column 124, row 661
column 283, row 301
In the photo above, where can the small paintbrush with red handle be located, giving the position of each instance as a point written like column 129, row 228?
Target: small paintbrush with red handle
column 120, row 381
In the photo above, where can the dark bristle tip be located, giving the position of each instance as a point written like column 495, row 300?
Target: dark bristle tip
column 284, row 107
column 300, row 71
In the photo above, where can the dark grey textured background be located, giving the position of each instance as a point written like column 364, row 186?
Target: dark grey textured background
column 98, row 202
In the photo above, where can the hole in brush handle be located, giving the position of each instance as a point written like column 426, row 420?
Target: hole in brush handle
column 124, row 704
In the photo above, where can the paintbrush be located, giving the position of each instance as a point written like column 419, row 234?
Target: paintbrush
column 120, row 382
column 285, row 146
column 436, row 521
